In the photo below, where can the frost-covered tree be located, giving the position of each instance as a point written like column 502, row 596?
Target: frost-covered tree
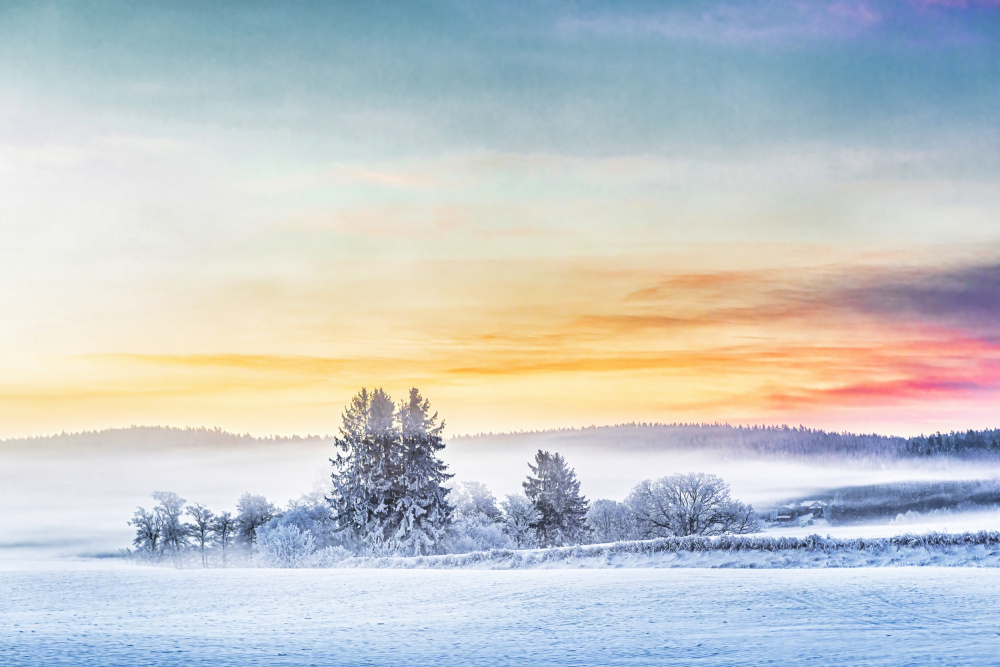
column 611, row 521
column 173, row 532
column 284, row 546
column 311, row 513
column 365, row 489
column 387, row 479
column 519, row 515
column 224, row 529
column 477, row 522
column 554, row 490
column 422, row 512
column 474, row 500
column 252, row 512
column 694, row 503
column 147, row 533
column 200, row 529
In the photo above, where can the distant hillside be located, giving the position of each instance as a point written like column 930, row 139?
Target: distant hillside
column 752, row 441
column 730, row 441
column 152, row 438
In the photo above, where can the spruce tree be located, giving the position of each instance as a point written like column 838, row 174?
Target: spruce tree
column 554, row 490
column 422, row 510
column 387, row 480
column 365, row 491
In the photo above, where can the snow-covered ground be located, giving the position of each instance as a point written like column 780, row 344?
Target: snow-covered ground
column 111, row 614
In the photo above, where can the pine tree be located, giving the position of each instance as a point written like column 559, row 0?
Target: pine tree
column 555, row 492
column 422, row 510
column 365, row 485
column 387, row 479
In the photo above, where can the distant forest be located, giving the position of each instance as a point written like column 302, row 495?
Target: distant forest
column 764, row 441
column 728, row 440
column 154, row 438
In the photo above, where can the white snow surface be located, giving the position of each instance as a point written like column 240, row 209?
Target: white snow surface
column 112, row 614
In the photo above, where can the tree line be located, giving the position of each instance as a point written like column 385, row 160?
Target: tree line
column 390, row 495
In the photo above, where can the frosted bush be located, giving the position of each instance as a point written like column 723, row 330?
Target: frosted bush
column 284, row 546
column 478, row 534
column 329, row 556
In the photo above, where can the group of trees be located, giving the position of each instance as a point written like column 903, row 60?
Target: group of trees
column 389, row 495
column 389, row 492
column 163, row 532
column 550, row 512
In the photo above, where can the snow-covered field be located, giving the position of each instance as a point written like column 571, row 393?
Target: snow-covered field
column 112, row 614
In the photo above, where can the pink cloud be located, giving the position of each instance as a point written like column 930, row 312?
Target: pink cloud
column 960, row 4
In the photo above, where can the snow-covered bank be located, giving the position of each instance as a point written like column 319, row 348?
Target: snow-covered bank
column 980, row 549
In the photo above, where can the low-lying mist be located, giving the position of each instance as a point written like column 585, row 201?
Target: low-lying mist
column 74, row 494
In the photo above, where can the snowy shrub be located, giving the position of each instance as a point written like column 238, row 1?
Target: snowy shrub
column 253, row 511
column 477, row 522
column 519, row 517
column 329, row 557
column 477, row 533
column 611, row 521
column 283, row 546
column 473, row 500
column 312, row 513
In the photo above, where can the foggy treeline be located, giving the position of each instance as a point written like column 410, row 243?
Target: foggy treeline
column 152, row 438
column 762, row 441
column 390, row 494
column 732, row 441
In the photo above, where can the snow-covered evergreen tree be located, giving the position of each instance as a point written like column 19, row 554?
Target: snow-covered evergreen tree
column 555, row 492
column 422, row 508
column 365, row 486
column 387, row 478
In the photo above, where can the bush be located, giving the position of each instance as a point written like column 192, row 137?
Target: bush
column 329, row 556
column 284, row 546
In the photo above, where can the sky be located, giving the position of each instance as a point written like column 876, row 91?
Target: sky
column 543, row 214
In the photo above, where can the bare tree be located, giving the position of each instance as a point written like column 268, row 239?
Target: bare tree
column 223, row 531
column 170, row 507
column 694, row 503
column 147, row 533
column 200, row 528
